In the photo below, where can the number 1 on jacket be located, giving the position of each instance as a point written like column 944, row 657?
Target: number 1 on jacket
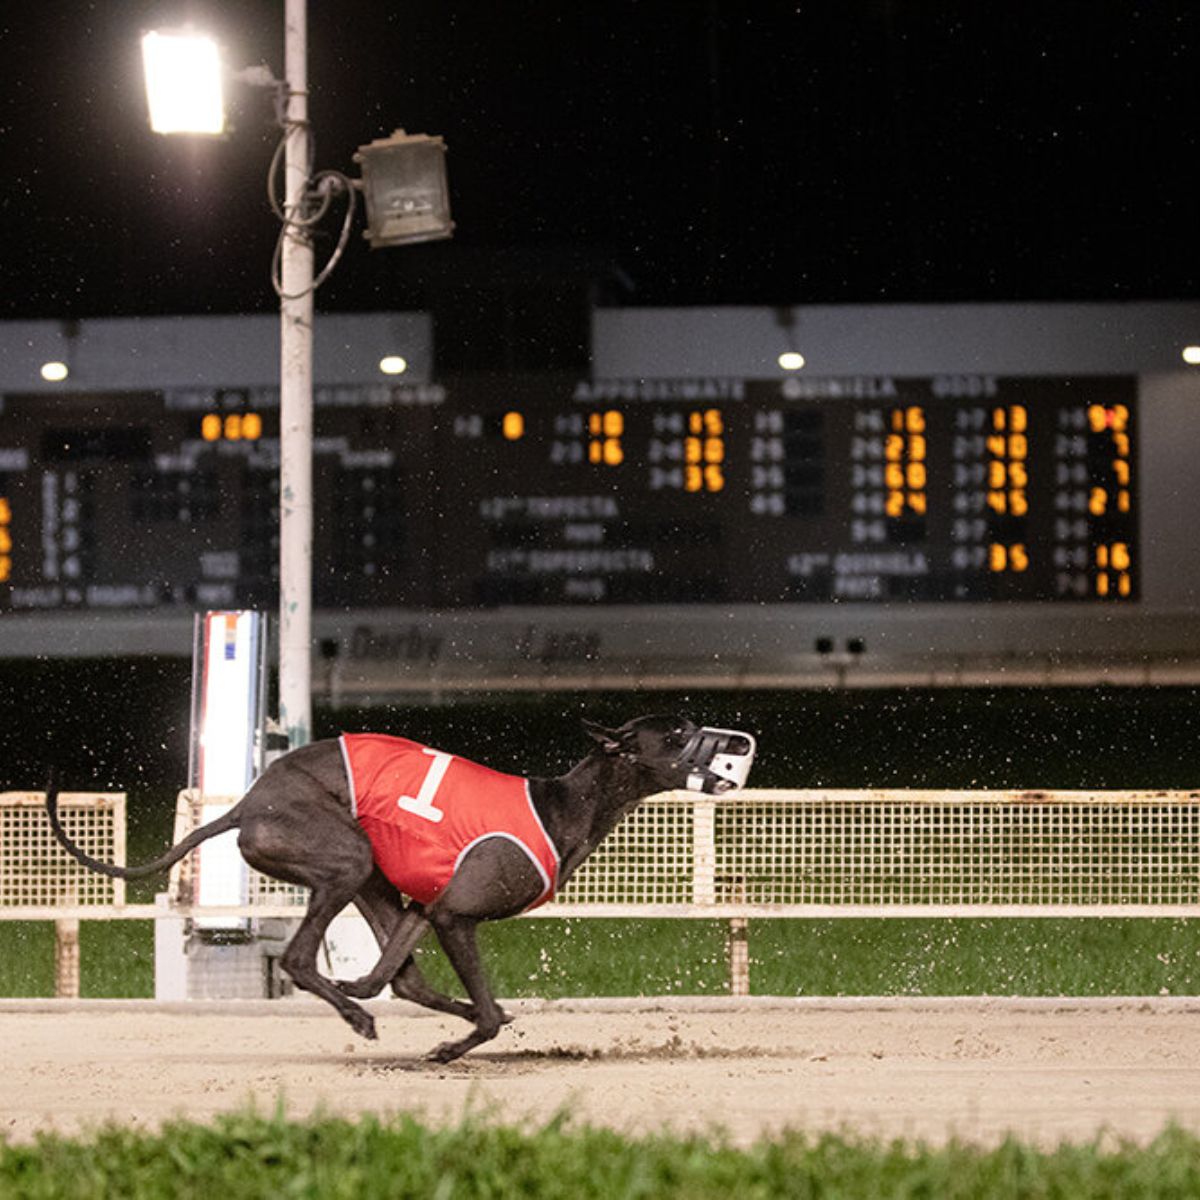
column 422, row 805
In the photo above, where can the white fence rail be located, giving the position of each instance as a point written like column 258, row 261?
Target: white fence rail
column 40, row 881
column 38, row 878
column 789, row 853
column 877, row 853
column 894, row 853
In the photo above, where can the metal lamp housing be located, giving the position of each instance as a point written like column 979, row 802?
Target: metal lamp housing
column 404, row 185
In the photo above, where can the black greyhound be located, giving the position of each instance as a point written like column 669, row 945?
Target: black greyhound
column 297, row 824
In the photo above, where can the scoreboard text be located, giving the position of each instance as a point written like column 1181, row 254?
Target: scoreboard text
column 544, row 491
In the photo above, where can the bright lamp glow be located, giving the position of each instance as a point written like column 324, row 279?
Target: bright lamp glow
column 790, row 360
column 1191, row 355
column 183, row 83
column 393, row 364
column 54, row 372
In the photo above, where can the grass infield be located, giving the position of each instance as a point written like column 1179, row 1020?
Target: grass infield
column 557, row 957
column 248, row 1155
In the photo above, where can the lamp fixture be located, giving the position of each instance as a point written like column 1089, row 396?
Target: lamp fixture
column 404, row 185
column 403, row 176
column 183, row 82
column 404, row 181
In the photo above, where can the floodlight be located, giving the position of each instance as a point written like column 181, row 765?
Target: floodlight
column 183, row 83
column 404, row 184
column 54, row 372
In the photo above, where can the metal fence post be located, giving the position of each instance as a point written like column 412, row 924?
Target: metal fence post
column 739, row 956
column 66, row 958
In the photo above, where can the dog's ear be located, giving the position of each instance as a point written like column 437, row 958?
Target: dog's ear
column 608, row 739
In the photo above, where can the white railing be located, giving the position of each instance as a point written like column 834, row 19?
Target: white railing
column 39, row 881
column 898, row 853
column 791, row 853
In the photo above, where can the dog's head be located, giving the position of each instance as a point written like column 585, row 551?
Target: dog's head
column 673, row 752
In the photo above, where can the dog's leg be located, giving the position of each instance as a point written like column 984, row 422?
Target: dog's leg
column 384, row 909
column 300, row 959
column 396, row 953
column 301, row 839
column 457, row 936
column 493, row 880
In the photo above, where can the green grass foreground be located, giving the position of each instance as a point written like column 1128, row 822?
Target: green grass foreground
column 246, row 1155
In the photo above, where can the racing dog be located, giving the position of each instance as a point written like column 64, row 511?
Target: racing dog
column 371, row 820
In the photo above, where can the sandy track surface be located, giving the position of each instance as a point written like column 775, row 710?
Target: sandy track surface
column 1049, row 1070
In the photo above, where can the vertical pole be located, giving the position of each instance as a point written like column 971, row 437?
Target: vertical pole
column 295, row 403
column 739, row 943
column 66, row 958
column 739, row 956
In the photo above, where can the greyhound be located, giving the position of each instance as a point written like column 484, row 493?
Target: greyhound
column 302, row 822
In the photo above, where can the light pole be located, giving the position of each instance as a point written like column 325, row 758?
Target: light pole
column 295, row 397
column 404, row 186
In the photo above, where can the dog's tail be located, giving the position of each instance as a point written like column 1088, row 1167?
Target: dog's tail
column 223, row 823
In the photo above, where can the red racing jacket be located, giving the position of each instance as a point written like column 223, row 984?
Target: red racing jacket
column 424, row 809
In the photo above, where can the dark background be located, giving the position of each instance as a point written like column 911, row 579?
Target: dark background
column 123, row 725
column 625, row 151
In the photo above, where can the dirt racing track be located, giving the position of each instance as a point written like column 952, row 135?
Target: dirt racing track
column 1046, row 1070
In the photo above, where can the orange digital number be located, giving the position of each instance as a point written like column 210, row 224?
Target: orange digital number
column 610, row 423
column 1116, row 556
column 905, row 475
column 1008, row 558
column 5, row 540
column 233, row 427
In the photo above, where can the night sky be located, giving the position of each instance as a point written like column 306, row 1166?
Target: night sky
column 728, row 152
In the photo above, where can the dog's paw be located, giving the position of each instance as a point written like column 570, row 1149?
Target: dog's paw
column 362, row 1023
column 447, row 1052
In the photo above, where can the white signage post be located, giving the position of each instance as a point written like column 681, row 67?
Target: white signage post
column 229, row 685
column 214, row 956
